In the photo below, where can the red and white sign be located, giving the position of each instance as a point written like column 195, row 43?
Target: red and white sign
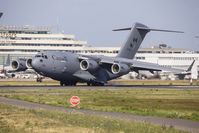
column 74, row 100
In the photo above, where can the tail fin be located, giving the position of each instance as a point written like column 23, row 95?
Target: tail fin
column 133, row 41
column 7, row 61
column 135, row 38
column 190, row 67
column 187, row 72
column 1, row 14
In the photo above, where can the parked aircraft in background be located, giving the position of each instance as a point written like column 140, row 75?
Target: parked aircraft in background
column 4, row 71
column 1, row 14
column 19, row 65
column 143, row 74
column 151, row 75
column 70, row 68
column 17, row 68
column 187, row 72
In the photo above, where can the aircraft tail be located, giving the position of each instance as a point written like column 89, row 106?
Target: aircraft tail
column 187, row 72
column 7, row 61
column 190, row 67
column 135, row 38
column 1, row 14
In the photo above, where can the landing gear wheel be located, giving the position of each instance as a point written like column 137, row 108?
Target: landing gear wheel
column 75, row 83
column 72, row 83
column 88, row 84
column 97, row 84
column 61, row 83
column 67, row 83
column 39, row 79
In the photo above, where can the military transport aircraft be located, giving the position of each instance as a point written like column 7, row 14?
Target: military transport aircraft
column 70, row 68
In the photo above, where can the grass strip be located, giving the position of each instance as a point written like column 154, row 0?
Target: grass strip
column 170, row 103
column 18, row 120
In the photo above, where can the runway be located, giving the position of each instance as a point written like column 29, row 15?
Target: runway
column 185, row 125
column 100, row 87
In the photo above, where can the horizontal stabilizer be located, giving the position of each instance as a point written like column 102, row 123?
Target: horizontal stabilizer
column 149, row 29
column 163, row 30
column 122, row 29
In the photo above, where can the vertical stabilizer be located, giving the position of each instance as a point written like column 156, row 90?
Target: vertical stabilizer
column 135, row 38
column 1, row 14
column 7, row 61
column 190, row 67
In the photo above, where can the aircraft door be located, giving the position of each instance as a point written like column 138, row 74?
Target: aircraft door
column 59, row 64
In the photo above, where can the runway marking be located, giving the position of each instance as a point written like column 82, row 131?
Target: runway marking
column 105, row 87
column 186, row 125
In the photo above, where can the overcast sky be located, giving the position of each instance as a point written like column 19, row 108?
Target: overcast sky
column 93, row 20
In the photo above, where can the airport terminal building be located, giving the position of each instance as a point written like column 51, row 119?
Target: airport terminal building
column 25, row 41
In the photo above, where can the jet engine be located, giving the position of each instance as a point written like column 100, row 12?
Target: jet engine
column 19, row 65
column 29, row 63
column 89, row 65
column 120, row 68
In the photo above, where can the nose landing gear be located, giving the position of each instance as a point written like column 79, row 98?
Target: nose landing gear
column 39, row 79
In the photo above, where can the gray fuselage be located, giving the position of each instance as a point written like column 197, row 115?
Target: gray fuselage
column 62, row 66
column 56, row 65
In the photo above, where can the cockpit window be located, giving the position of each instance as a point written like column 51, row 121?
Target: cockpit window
column 37, row 55
column 43, row 56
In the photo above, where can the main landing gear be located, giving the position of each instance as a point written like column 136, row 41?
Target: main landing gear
column 63, row 83
column 67, row 83
column 95, row 84
column 39, row 79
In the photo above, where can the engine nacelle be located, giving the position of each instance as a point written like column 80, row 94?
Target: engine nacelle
column 19, row 65
column 120, row 68
column 89, row 65
column 29, row 63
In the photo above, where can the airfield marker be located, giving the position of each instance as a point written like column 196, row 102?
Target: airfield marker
column 75, row 101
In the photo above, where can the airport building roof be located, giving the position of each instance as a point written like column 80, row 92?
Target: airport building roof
column 25, row 29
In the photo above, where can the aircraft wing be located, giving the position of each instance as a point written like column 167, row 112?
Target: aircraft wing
column 133, row 64
column 93, row 57
column 138, row 65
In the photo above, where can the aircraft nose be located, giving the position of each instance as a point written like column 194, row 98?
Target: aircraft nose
column 35, row 64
